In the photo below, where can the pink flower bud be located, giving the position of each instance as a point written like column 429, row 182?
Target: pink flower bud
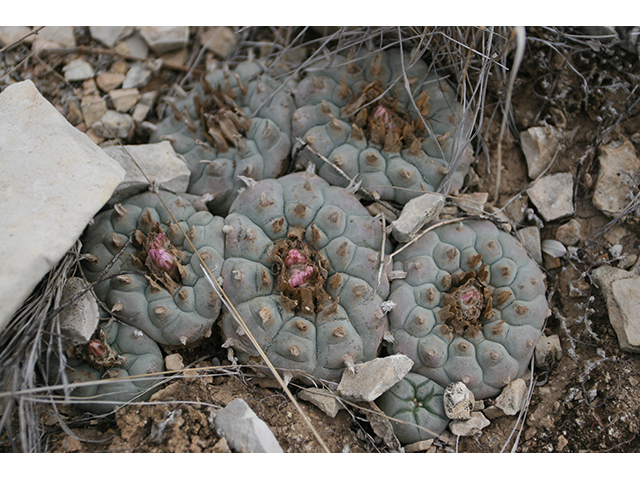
column 383, row 114
column 161, row 241
column 300, row 277
column 470, row 297
column 97, row 348
column 161, row 258
column 294, row 257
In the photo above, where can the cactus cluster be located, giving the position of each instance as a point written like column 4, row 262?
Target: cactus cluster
column 302, row 268
column 361, row 117
column 471, row 308
column 235, row 123
column 299, row 257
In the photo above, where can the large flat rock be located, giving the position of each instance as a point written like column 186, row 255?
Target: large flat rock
column 53, row 180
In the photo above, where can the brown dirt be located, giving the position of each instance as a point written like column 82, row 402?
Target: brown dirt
column 588, row 401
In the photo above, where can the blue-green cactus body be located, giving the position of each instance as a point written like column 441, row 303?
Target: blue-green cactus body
column 317, row 321
column 341, row 116
column 180, row 314
column 480, row 327
column 416, row 402
column 254, row 141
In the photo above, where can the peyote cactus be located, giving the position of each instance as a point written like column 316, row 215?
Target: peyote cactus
column 236, row 123
column 157, row 285
column 118, row 352
column 417, row 402
column 358, row 114
column 471, row 307
column 302, row 265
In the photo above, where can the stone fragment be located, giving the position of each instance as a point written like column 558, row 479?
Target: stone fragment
column 466, row 428
column 626, row 293
column 165, row 39
column 605, row 276
column 137, row 77
column 144, row 106
column 159, row 162
column 174, row 362
column 125, row 99
column 53, row 180
column 218, row 40
column 175, row 59
column 530, row 238
column 516, row 210
column 415, row 215
column 109, row 81
column 54, row 37
column 371, row 379
column 93, row 107
column 548, row 351
column 539, row 145
column 113, row 125
column 133, row 46
column 513, row 397
column 80, row 319
column 619, row 173
column 472, row 203
column 109, row 36
column 323, row 399
column 492, row 412
column 243, row 430
column 10, row 35
column 421, row 446
column 77, row 70
column 458, row 401
column 570, row 233
column 553, row 248
column 74, row 113
column 553, row 196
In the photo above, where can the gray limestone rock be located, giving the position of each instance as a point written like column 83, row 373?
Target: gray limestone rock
column 513, row 397
column 80, row 319
column 553, row 196
column 159, row 162
column 416, row 214
column 530, row 237
column 114, row 125
column 110, row 35
column 570, row 233
column 77, row 70
column 539, row 145
column 619, row 171
column 323, row 399
column 53, row 180
column 137, row 76
column 459, row 401
column 371, row 379
column 465, row 428
column 165, row 39
column 626, row 293
column 605, row 276
column 548, row 351
column 243, row 430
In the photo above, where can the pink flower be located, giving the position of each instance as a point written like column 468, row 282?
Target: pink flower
column 161, row 241
column 97, row 348
column 299, row 277
column 382, row 113
column 161, row 258
column 294, row 257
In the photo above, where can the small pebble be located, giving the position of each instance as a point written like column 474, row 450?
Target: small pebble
column 77, row 70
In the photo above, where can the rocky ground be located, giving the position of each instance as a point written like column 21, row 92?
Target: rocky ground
column 574, row 124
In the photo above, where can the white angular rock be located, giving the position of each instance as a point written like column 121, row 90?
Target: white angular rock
column 218, row 40
column 164, row 39
column 539, row 145
column 548, row 351
column 10, row 35
column 323, row 399
column 466, row 428
column 77, row 70
column 125, row 99
column 137, row 76
column 144, row 106
column 54, row 37
column 371, row 379
column 160, row 163
column 243, row 430
column 79, row 320
column 619, row 171
column 530, row 237
column 626, row 293
column 459, row 401
column 416, row 214
column 513, row 397
column 134, row 46
column 472, row 203
column 553, row 196
column 53, row 180
column 113, row 125
column 605, row 275
column 110, row 35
